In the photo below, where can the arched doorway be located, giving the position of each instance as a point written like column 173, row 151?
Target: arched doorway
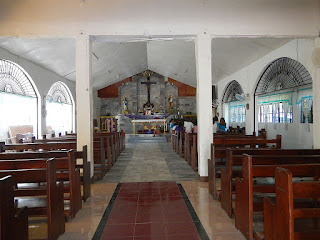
column 18, row 103
column 283, row 99
column 60, row 108
column 233, row 105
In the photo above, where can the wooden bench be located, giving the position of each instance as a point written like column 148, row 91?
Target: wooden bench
column 72, row 155
column 262, row 167
column 282, row 221
column 181, row 144
column 219, row 152
column 13, row 223
column 98, row 151
column 97, row 155
column 188, row 143
column 234, row 160
column 50, row 205
column 194, row 153
column 67, row 174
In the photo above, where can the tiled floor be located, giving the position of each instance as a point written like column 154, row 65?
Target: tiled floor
column 215, row 221
column 154, row 210
column 147, row 162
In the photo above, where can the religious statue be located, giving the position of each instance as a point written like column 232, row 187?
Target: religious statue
column 170, row 100
column 125, row 106
column 148, row 108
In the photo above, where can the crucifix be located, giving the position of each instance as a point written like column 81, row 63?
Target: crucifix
column 148, row 83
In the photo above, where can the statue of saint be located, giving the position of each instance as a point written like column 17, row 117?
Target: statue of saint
column 170, row 100
column 125, row 106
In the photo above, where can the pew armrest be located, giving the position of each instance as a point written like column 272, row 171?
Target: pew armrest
column 244, row 209
column 269, row 219
column 21, row 223
column 226, row 192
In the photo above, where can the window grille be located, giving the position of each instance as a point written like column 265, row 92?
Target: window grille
column 230, row 94
column 59, row 93
column 14, row 80
column 283, row 73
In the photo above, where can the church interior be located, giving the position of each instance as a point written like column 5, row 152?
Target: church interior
column 198, row 120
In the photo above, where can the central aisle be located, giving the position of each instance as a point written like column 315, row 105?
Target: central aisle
column 168, row 203
column 149, row 162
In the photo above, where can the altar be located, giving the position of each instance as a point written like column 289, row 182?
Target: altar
column 149, row 124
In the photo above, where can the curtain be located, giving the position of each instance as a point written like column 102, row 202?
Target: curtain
column 304, row 97
column 286, row 111
column 306, row 109
column 265, row 112
column 275, row 107
column 236, row 111
column 276, row 98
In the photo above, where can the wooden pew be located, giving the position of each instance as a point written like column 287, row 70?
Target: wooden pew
column 194, row 153
column 263, row 167
column 97, row 155
column 67, row 173
column 282, row 221
column 51, row 206
column 98, row 150
column 181, row 144
column 114, row 144
column 70, row 154
column 66, row 164
column 13, row 223
column 172, row 139
column 188, row 143
column 234, row 159
column 219, row 152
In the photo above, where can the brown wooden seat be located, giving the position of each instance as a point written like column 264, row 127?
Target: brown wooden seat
column 13, row 223
column 218, row 155
column 50, row 197
column 234, row 161
column 282, row 220
column 249, row 192
column 67, row 173
column 71, row 154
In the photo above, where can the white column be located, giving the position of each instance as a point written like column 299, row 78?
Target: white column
column 316, row 103
column 250, row 115
column 43, row 112
column 84, row 103
column 204, row 102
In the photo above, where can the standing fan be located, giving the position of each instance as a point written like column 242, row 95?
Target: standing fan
column 240, row 97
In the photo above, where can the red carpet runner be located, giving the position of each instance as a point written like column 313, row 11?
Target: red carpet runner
column 153, row 211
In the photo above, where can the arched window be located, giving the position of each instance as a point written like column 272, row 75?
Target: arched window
column 18, row 102
column 275, row 91
column 234, row 105
column 59, row 105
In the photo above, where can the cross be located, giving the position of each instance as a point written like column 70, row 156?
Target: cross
column 148, row 83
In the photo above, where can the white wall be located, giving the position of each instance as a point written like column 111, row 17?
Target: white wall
column 42, row 78
column 159, row 17
column 299, row 49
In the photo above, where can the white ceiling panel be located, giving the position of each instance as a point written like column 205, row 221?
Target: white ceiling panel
column 232, row 54
column 115, row 61
column 174, row 59
column 56, row 55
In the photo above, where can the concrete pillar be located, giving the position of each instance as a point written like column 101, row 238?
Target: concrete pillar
column 43, row 113
column 316, row 103
column 250, row 118
column 84, row 102
column 204, row 102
